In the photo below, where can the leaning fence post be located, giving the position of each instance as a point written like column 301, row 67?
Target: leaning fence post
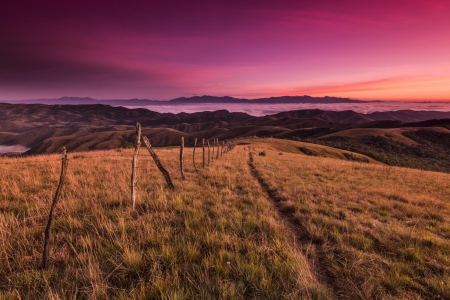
column 64, row 164
column 181, row 158
column 137, row 145
column 209, row 154
column 203, row 142
column 158, row 163
column 193, row 154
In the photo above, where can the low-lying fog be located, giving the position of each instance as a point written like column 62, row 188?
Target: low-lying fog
column 268, row 109
column 15, row 148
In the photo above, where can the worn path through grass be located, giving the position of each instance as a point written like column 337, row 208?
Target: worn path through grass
column 379, row 232
column 301, row 235
column 215, row 237
column 278, row 225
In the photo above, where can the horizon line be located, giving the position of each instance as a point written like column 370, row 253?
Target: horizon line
column 235, row 97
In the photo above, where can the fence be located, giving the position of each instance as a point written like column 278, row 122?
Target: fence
column 217, row 151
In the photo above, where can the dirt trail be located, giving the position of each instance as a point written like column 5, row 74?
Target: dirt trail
column 297, row 228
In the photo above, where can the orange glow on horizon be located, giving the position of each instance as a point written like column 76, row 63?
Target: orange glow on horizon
column 393, row 89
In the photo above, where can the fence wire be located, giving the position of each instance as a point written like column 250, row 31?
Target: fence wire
column 17, row 160
column 59, row 160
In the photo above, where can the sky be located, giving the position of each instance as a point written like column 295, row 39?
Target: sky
column 160, row 50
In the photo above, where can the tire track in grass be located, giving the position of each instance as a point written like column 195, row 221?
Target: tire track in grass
column 287, row 213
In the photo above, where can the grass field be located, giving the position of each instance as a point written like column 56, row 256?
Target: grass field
column 278, row 225
column 378, row 232
column 214, row 237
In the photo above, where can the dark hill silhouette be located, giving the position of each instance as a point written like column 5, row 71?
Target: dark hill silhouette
column 186, row 100
column 271, row 100
column 346, row 116
column 408, row 115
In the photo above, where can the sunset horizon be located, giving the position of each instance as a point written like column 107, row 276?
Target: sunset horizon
column 230, row 96
column 389, row 51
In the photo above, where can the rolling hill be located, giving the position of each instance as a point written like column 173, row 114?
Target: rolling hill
column 394, row 138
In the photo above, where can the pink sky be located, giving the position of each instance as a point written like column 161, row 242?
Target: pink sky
column 375, row 50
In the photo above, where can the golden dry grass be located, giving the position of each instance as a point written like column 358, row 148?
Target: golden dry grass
column 321, row 227
column 379, row 232
column 295, row 147
column 215, row 237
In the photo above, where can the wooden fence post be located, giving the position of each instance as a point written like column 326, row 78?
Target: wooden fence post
column 213, row 146
column 203, row 142
column 218, row 148
column 158, row 163
column 181, row 158
column 64, row 164
column 137, row 145
column 209, row 154
column 221, row 151
column 193, row 154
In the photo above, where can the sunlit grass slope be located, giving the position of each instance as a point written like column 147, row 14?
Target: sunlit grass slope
column 377, row 232
column 272, row 219
column 215, row 237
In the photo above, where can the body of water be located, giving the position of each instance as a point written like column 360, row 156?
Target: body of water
column 269, row 109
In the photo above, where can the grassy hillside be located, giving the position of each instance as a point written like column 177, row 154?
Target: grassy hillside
column 376, row 232
column 274, row 224
column 433, row 156
column 215, row 237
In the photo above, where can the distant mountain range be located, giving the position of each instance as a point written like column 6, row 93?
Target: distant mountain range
column 191, row 100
